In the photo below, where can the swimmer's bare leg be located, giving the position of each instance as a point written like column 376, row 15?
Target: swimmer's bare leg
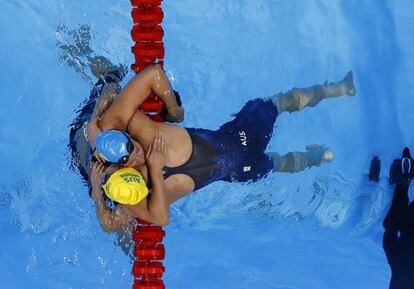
column 293, row 162
column 298, row 98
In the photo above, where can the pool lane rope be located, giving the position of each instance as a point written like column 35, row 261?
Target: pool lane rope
column 147, row 33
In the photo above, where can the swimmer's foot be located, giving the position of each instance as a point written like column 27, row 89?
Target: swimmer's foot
column 348, row 83
column 298, row 98
column 344, row 87
column 294, row 162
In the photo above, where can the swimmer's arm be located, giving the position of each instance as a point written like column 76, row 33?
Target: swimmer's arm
column 155, row 209
column 93, row 131
column 150, row 80
column 108, row 97
column 110, row 221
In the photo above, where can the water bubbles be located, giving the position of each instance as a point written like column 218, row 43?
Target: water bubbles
column 102, row 262
column 327, row 201
column 336, row 196
column 5, row 198
column 32, row 261
column 72, row 260
column 74, row 47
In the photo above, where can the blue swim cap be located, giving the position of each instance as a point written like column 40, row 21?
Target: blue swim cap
column 113, row 144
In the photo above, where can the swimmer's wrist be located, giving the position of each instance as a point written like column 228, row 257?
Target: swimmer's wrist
column 175, row 114
column 155, row 170
column 172, row 108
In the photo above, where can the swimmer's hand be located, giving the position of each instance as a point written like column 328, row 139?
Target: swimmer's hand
column 93, row 131
column 97, row 172
column 156, row 154
column 96, row 157
column 156, row 208
column 175, row 114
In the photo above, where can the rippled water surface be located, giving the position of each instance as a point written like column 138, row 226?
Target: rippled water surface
column 320, row 228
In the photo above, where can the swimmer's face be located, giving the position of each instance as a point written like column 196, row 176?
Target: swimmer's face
column 137, row 156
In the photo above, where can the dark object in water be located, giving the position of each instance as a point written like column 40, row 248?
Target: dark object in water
column 375, row 169
column 401, row 169
column 395, row 172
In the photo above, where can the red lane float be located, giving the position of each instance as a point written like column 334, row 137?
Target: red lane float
column 147, row 16
column 155, row 33
column 149, row 251
column 143, row 252
column 150, row 283
column 151, row 49
column 137, row 3
column 147, row 34
column 143, row 268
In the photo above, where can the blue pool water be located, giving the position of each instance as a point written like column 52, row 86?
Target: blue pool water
column 320, row 228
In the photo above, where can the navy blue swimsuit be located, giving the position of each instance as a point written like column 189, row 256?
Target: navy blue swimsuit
column 234, row 152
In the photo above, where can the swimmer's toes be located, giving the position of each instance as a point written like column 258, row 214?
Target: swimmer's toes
column 349, row 77
column 349, row 82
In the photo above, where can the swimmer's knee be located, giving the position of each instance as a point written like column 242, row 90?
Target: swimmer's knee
column 296, row 161
column 291, row 162
column 307, row 97
column 298, row 98
column 291, row 101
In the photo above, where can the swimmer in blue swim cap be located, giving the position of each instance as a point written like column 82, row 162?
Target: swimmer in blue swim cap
column 117, row 147
column 196, row 157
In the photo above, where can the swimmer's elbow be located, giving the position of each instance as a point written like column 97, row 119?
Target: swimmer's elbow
column 110, row 227
column 115, row 121
column 155, row 220
column 161, row 221
column 108, row 230
column 165, row 222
